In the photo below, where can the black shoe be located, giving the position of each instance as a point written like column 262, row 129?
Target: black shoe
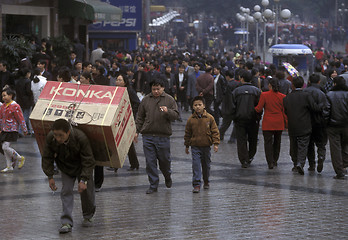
column 206, row 185
column 340, row 177
column 294, row 169
column 168, row 183
column 300, row 170
column 311, row 168
column 250, row 161
column 270, row 166
column 132, row 168
column 245, row 165
column 151, row 190
column 320, row 166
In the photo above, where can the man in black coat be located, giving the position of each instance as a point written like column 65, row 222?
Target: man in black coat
column 226, row 104
column 319, row 119
column 219, row 86
column 244, row 100
column 24, row 95
column 338, row 126
column 298, row 106
column 79, row 49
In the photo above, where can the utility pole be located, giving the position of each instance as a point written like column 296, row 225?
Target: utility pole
column 147, row 15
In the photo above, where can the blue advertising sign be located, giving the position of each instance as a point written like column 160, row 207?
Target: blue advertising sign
column 131, row 18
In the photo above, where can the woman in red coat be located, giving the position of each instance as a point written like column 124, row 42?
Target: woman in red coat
column 274, row 121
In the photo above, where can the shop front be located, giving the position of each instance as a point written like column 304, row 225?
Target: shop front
column 118, row 35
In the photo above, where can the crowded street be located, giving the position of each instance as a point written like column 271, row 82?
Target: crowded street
column 159, row 119
column 252, row 203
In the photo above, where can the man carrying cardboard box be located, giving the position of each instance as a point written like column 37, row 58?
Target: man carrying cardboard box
column 70, row 149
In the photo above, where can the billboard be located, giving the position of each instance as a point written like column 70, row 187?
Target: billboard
column 131, row 18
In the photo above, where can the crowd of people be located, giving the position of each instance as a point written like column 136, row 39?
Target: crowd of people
column 219, row 88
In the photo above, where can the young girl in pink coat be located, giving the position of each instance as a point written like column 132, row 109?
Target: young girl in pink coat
column 11, row 117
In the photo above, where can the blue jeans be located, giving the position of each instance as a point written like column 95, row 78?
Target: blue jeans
column 26, row 114
column 200, row 162
column 157, row 148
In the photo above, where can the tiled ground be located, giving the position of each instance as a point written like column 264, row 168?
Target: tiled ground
column 253, row 203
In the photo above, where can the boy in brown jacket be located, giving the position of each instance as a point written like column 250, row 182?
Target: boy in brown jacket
column 201, row 132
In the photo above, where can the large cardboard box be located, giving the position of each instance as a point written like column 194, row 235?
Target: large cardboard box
column 103, row 113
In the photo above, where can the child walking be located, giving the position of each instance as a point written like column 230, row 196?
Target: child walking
column 201, row 132
column 11, row 117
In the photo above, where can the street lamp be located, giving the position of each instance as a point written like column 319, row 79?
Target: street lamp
column 258, row 17
column 242, row 19
column 266, row 15
column 284, row 14
column 269, row 15
column 342, row 11
column 245, row 19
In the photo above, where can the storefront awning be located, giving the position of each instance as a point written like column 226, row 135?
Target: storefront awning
column 93, row 10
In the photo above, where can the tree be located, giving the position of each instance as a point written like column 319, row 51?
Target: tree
column 13, row 49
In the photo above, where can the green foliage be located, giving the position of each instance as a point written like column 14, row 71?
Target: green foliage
column 13, row 49
column 61, row 48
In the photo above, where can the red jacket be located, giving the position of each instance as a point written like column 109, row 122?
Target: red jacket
column 11, row 117
column 274, row 117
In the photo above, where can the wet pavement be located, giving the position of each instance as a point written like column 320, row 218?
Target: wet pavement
column 252, row 203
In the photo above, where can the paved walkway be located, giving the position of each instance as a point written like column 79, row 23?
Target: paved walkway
column 253, row 203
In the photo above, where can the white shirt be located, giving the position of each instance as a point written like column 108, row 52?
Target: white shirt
column 181, row 78
column 215, row 82
column 36, row 88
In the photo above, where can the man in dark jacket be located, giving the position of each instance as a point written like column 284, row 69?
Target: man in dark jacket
column 319, row 119
column 71, row 150
column 156, row 112
column 338, row 126
column 244, row 100
column 24, row 96
column 226, row 104
column 219, row 86
column 284, row 84
column 298, row 106
column 139, row 80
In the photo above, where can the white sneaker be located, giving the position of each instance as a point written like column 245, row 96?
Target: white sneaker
column 21, row 162
column 7, row 170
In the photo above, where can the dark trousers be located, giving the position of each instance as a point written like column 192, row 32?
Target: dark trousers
column 200, row 164
column 157, row 148
column 246, row 133
column 98, row 176
column 209, row 99
column 132, row 156
column 217, row 112
column 299, row 149
column 319, row 138
column 272, row 140
column 226, row 122
column 338, row 138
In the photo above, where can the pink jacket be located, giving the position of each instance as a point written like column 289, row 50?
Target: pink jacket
column 11, row 117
